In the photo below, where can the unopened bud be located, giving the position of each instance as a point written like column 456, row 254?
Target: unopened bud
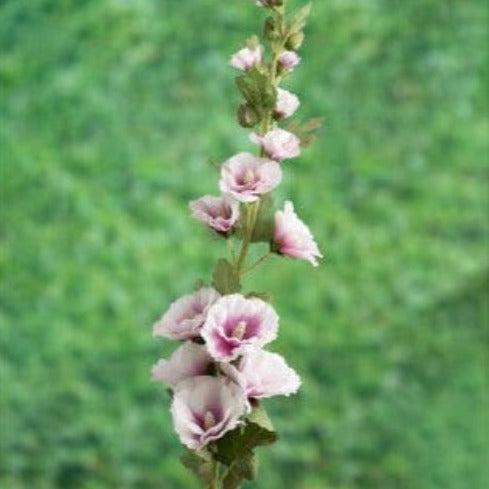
column 295, row 40
column 248, row 116
column 271, row 3
column 271, row 29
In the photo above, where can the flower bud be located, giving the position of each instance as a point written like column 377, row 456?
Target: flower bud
column 295, row 40
column 271, row 29
column 248, row 116
column 270, row 3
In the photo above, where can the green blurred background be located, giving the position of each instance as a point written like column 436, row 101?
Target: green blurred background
column 109, row 111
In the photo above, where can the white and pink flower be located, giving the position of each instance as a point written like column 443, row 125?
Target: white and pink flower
column 246, row 58
column 186, row 315
column 287, row 104
column 263, row 374
column 289, row 59
column 219, row 213
column 235, row 322
column 188, row 360
column 278, row 144
column 246, row 177
column 293, row 238
column 204, row 408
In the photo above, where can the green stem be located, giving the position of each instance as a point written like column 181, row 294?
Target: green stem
column 257, row 262
column 266, row 126
column 216, row 479
column 251, row 215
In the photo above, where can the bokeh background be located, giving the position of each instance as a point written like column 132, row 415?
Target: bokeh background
column 109, row 112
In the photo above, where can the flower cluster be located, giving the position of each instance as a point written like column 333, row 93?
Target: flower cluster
column 221, row 369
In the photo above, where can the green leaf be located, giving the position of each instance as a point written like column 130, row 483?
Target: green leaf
column 225, row 278
column 257, row 431
column 305, row 131
column 201, row 464
column 242, row 468
column 257, row 90
column 300, row 18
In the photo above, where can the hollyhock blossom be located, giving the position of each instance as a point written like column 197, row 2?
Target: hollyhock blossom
column 278, row 144
column 219, row 213
column 287, row 104
column 188, row 360
column 246, row 58
column 204, row 408
column 293, row 238
column 235, row 322
column 289, row 59
column 186, row 315
column 263, row 374
column 246, row 177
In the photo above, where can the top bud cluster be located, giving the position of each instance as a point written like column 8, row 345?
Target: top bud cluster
column 221, row 369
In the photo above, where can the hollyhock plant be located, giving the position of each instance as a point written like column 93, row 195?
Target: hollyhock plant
column 263, row 374
column 246, row 176
column 220, row 376
column 287, row 104
column 235, row 322
column 188, row 360
column 278, row 144
column 204, row 408
column 289, row 59
column 293, row 238
column 219, row 213
column 186, row 315
column 246, row 58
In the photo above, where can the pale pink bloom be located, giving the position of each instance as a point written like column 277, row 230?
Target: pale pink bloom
column 235, row 322
column 287, row 103
column 246, row 58
column 289, row 59
column 188, row 360
column 263, row 374
column 278, row 144
column 246, row 177
column 204, row 408
column 186, row 315
column 219, row 213
column 293, row 238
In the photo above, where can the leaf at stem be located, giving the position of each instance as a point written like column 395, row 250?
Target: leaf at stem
column 240, row 442
column 300, row 18
column 225, row 279
column 242, row 468
column 200, row 464
column 257, row 90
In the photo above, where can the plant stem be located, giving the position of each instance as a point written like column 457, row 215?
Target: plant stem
column 216, row 479
column 266, row 126
column 257, row 262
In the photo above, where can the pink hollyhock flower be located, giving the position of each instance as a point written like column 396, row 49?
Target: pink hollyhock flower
column 235, row 322
column 287, row 103
column 278, row 144
column 246, row 176
column 186, row 315
column 263, row 374
column 188, row 360
column 293, row 238
column 219, row 213
column 246, row 58
column 289, row 59
column 204, row 408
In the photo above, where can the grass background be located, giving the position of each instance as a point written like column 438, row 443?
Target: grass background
column 109, row 110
